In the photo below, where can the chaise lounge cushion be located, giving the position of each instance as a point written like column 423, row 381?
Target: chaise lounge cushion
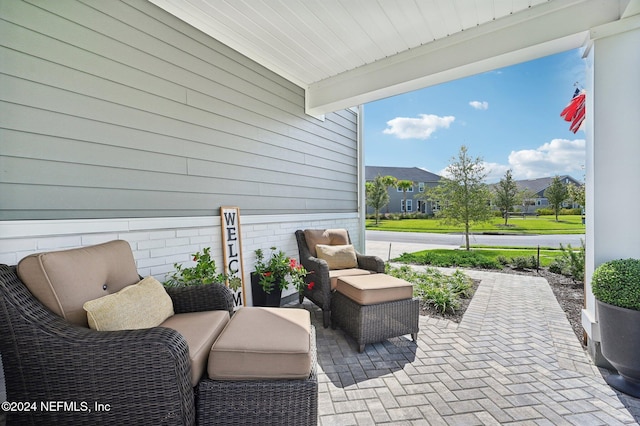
column 64, row 280
column 263, row 343
column 200, row 330
column 335, row 274
column 373, row 289
column 142, row 305
column 325, row 236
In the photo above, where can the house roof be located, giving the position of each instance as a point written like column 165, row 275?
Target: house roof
column 414, row 174
column 345, row 53
column 538, row 185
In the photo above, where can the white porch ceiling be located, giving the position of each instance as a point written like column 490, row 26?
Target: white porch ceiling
column 349, row 52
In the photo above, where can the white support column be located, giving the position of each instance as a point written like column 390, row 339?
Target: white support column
column 362, row 197
column 613, row 155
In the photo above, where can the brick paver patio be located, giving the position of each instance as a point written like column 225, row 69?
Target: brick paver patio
column 513, row 359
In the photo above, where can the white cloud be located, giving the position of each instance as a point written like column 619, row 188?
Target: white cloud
column 494, row 171
column 479, row 105
column 417, row 128
column 558, row 157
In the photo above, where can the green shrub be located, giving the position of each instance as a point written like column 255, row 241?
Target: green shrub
column 502, row 260
column 545, row 212
column 435, row 288
column 524, row 262
column 572, row 212
column 617, row 283
column 570, row 263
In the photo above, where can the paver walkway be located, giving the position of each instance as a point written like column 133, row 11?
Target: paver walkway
column 513, row 359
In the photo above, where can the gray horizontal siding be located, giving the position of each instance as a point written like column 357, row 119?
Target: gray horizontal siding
column 118, row 109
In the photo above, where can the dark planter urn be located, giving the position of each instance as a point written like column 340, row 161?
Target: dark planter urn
column 620, row 339
column 260, row 297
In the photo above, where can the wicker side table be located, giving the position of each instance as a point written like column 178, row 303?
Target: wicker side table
column 375, row 322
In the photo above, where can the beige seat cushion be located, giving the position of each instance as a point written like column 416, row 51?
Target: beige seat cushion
column 338, row 256
column 337, row 273
column 263, row 343
column 64, row 280
column 330, row 237
column 142, row 305
column 376, row 288
column 200, row 330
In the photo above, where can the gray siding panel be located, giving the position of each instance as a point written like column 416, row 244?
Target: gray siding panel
column 118, row 109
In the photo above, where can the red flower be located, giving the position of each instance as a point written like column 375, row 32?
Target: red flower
column 292, row 263
column 195, row 258
column 267, row 274
column 310, row 285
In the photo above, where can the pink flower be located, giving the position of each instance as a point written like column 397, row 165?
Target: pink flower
column 292, row 263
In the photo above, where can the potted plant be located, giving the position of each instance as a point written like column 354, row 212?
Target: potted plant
column 274, row 275
column 616, row 286
column 204, row 272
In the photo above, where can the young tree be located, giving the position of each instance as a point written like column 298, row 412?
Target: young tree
column 527, row 198
column 576, row 193
column 377, row 195
column 390, row 182
column 557, row 194
column 405, row 185
column 463, row 195
column 506, row 195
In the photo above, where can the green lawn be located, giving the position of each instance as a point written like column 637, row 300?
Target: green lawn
column 517, row 225
column 478, row 257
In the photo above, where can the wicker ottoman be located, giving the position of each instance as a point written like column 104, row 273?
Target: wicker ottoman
column 372, row 308
column 262, row 371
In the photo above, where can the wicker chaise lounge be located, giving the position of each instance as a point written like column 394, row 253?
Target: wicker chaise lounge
column 139, row 376
column 324, row 275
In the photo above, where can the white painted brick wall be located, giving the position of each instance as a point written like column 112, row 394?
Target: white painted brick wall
column 156, row 249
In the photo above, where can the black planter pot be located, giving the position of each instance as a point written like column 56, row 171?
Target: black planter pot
column 260, row 297
column 620, row 339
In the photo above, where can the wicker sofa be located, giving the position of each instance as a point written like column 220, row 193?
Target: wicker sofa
column 325, row 277
column 136, row 376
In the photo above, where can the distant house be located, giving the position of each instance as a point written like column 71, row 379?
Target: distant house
column 537, row 188
column 421, row 179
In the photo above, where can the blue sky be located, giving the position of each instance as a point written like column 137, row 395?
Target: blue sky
column 510, row 117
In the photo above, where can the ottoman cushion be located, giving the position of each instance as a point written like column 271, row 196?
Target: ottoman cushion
column 335, row 274
column 375, row 288
column 200, row 330
column 263, row 343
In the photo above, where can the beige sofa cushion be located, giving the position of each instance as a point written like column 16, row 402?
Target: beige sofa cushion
column 337, row 273
column 263, row 343
column 325, row 236
column 142, row 305
column 376, row 288
column 338, row 256
column 200, row 330
column 64, row 280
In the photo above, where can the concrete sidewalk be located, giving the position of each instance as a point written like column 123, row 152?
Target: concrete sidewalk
column 513, row 359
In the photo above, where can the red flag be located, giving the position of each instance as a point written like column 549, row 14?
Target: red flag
column 574, row 112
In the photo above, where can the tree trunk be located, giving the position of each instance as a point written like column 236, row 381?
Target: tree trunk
column 466, row 234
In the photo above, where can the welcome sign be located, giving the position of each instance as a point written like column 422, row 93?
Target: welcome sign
column 232, row 251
